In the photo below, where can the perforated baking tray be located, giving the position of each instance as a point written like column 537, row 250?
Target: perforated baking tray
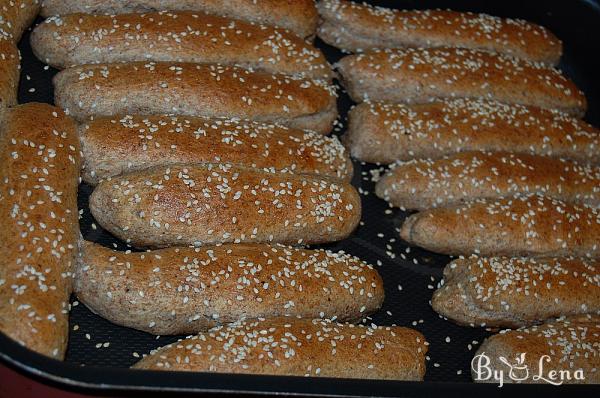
column 409, row 274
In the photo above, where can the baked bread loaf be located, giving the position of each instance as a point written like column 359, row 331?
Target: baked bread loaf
column 15, row 17
column 383, row 133
column 299, row 16
column 220, row 203
column 195, row 90
column 424, row 75
column 78, row 39
column 513, row 292
column 39, row 154
column 524, row 226
column 421, row 184
column 189, row 290
column 570, row 344
column 115, row 145
column 10, row 69
column 357, row 27
column 298, row 347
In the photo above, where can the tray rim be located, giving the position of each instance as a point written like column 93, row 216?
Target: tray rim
column 72, row 377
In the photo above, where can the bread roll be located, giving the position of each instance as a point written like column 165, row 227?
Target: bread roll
column 513, row 292
column 15, row 17
column 298, row 347
column 10, row 68
column 424, row 75
column 570, row 344
column 188, row 290
column 115, row 145
column 422, row 184
column 299, row 16
column 356, row 27
column 78, row 39
column 39, row 154
column 529, row 226
column 219, row 203
column 382, row 133
column 195, row 90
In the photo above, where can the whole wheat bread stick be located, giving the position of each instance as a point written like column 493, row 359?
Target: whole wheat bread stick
column 10, row 68
column 298, row 347
column 563, row 345
column 39, row 154
column 299, row 16
column 195, row 90
column 516, row 291
column 78, row 39
column 188, row 290
column 530, row 225
column 421, row 184
column 415, row 76
column 383, row 132
column 116, row 145
column 220, row 203
column 15, row 17
column 359, row 27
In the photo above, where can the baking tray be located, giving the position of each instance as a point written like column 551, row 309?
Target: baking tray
column 410, row 274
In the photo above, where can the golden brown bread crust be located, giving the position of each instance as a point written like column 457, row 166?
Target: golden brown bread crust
column 195, row 90
column 571, row 343
column 218, row 203
column 421, row 184
column 529, row 226
column 357, row 27
column 299, row 16
column 188, row 290
column 39, row 154
column 115, row 145
column 513, row 292
column 15, row 17
column 10, row 68
column 298, row 347
column 382, row 133
column 78, row 39
column 424, row 75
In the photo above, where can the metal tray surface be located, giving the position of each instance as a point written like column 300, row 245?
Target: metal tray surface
column 100, row 352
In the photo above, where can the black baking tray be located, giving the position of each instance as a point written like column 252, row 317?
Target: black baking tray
column 409, row 274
